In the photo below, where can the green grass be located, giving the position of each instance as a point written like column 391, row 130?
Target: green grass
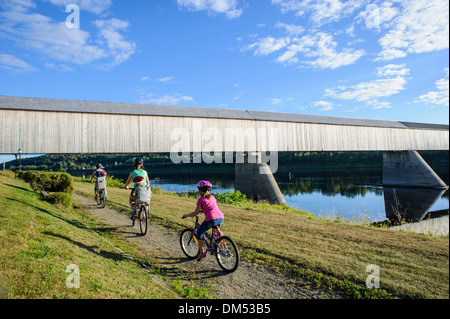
column 328, row 253
column 39, row 240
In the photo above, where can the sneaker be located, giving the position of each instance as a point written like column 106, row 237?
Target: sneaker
column 201, row 256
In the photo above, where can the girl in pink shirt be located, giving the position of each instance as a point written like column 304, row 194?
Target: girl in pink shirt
column 213, row 216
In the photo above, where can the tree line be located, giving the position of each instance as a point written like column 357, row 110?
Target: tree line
column 307, row 160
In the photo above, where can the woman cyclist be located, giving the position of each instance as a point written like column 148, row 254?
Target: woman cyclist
column 140, row 176
column 213, row 216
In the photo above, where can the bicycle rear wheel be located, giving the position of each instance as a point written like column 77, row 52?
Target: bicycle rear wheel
column 143, row 220
column 189, row 244
column 227, row 254
column 102, row 198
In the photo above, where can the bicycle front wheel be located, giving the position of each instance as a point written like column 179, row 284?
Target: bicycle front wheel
column 189, row 244
column 143, row 220
column 227, row 254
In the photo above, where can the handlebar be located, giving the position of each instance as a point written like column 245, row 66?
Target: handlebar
column 196, row 217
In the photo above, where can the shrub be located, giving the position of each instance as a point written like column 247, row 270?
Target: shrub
column 231, row 197
column 48, row 181
column 60, row 198
column 114, row 182
column 27, row 176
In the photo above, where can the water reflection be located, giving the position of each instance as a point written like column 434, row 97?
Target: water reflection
column 330, row 182
column 409, row 204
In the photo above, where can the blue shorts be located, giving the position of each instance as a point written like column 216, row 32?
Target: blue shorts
column 206, row 225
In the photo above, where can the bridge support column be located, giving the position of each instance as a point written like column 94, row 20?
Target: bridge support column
column 255, row 179
column 408, row 169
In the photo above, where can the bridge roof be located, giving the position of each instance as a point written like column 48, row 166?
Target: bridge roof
column 57, row 105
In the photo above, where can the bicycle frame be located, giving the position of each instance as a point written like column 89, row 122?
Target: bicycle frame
column 222, row 247
column 139, row 204
column 211, row 245
column 100, row 193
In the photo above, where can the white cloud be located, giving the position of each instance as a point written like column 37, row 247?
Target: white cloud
column 439, row 97
column 17, row 5
column 41, row 34
column 268, row 45
column 12, row 63
column 390, row 54
column 95, row 6
column 366, row 91
column 393, row 82
column 321, row 11
column 173, row 99
column 376, row 105
column 403, row 27
column 119, row 48
column 392, row 70
column 376, row 16
column 421, row 27
column 45, row 36
column 275, row 101
column 165, row 79
column 291, row 29
column 227, row 7
column 325, row 54
column 317, row 51
column 323, row 106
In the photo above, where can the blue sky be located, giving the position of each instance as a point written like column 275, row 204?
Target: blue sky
column 362, row 59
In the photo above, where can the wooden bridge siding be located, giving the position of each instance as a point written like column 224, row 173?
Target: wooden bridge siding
column 38, row 132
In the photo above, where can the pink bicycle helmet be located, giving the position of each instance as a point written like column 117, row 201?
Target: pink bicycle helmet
column 204, row 184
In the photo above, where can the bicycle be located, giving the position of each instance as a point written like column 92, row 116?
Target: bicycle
column 142, row 205
column 101, row 191
column 223, row 247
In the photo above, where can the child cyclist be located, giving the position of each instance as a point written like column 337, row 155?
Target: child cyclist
column 139, row 177
column 213, row 216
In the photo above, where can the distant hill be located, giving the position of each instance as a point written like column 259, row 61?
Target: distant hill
column 305, row 160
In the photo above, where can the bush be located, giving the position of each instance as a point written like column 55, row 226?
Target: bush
column 60, row 198
column 48, row 181
column 113, row 182
column 231, row 197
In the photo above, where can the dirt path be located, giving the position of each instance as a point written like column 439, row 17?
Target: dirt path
column 248, row 282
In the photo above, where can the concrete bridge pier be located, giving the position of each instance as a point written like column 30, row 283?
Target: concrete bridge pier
column 409, row 169
column 255, row 179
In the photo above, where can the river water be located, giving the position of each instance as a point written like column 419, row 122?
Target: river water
column 351, row 195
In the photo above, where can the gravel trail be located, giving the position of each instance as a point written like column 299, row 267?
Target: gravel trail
column 247, row 282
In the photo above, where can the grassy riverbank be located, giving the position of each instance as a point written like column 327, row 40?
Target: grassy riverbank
column 39, row 240
column 328, row 253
